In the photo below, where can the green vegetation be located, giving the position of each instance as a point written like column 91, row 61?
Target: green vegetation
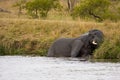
column 99, row 10
column 41, row 7
column 20, row 35
column 96, row 9
column 34, row 37
column 110, row 49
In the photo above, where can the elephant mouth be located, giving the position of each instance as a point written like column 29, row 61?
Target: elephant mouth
column 94, row 43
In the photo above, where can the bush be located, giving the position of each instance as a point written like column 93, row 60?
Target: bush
column 40, row 8
column 96, row 9
column 109, row 50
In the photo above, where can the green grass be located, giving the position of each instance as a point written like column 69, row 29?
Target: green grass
column 34, row 37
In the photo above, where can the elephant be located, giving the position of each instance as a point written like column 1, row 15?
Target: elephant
column 81, row 46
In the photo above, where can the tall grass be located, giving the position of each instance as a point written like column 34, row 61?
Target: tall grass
column 34, row 37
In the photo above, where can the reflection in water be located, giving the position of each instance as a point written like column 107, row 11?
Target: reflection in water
column 43, row 68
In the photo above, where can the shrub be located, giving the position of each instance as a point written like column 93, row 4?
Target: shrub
column 40, row 8
column 109, row 50
column 96, row 9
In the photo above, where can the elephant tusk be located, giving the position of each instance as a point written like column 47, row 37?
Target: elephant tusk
column 94, row 43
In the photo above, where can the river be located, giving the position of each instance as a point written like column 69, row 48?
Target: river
column 44, row 68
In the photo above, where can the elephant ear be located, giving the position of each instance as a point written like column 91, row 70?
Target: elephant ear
column 76, row 47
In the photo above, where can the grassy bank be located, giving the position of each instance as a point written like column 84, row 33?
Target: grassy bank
column 33, row 37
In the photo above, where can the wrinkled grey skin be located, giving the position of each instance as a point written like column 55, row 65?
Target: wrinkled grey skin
column 76, row 47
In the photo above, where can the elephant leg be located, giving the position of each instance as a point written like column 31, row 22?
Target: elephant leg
column 76, row 47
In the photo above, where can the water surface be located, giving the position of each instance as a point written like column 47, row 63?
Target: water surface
column 43, row 68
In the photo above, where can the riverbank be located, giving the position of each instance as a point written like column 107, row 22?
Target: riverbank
column 34, row 37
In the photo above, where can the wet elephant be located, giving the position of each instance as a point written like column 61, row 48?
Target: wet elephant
column 76, row 47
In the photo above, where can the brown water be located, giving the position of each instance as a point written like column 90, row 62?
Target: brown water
column 43, row 68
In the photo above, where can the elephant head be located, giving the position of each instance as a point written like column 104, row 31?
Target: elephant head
column 95, row 37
